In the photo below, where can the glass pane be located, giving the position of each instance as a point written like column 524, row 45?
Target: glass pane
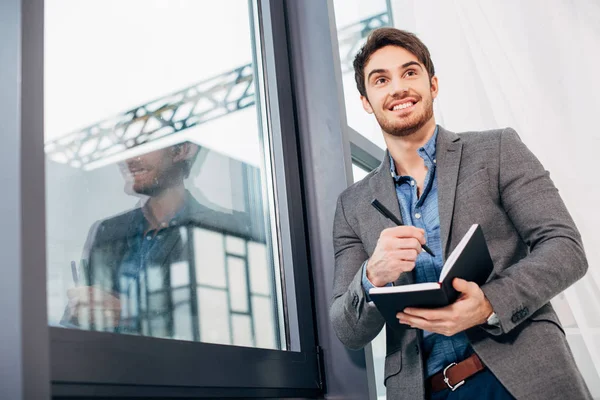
column 358, row 172
column 235, row 246
column 155, row 197
column 238, row 284
column 215, row 326
column 355, row 19
column 242, row 330
column 264, row 329
column 259, row 275
column 209, row 256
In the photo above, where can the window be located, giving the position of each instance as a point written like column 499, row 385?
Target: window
column 355, row 20
column 165, row 216
column 154, row 194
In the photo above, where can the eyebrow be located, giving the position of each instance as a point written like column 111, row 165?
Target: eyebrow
column 405, row 65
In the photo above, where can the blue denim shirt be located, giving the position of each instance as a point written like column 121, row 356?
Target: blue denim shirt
column 423, row 212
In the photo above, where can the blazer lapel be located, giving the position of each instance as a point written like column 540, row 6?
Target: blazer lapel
column 384, row 190
column 448, row 155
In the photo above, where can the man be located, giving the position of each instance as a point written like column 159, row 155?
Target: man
column 504, row 336
column 130, row 258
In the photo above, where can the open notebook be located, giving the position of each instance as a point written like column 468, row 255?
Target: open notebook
column 470, row 260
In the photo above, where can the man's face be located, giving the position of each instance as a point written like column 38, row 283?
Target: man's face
column 151, row 173
column 399, row 91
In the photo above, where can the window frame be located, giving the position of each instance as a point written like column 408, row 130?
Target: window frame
column 99, row 364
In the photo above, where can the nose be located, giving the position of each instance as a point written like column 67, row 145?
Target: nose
column 398, row 88
column 133, row 160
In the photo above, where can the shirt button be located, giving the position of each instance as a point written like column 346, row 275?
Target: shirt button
column 417, row 215
column 148, row 238
column 434, row 160
column 412, row 183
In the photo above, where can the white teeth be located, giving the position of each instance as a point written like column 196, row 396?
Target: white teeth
column 402, row 106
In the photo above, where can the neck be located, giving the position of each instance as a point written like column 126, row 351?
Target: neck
column 164, row 205
column 403, row 149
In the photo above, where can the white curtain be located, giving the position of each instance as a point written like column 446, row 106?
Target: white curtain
column 534, row 66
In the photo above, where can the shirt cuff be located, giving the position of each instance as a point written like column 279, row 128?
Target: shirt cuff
column 493, row 320
column 366, row 283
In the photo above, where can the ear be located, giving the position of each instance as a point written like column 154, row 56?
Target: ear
column 366, row 105
column 184, row 151
column 434, row 87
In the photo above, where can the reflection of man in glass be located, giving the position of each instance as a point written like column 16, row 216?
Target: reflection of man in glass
column 131, row 257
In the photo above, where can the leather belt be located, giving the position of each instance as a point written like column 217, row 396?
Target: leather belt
column 454, row 375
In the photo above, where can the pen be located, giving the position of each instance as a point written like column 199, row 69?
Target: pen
column 388, row 214
column 74, row 273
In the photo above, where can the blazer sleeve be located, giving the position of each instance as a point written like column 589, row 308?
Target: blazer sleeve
column 355, row 320
column 556, row 258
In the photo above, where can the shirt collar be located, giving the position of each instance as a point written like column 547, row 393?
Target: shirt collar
column 427, row 152
column 175, row 219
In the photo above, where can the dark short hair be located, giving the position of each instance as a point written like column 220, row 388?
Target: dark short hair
column 382, row 37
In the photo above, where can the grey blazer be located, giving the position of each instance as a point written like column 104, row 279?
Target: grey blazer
column 492, row 179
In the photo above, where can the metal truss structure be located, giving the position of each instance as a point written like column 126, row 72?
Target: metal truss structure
column 205, row 101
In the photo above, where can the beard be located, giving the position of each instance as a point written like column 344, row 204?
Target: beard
column 406, row 126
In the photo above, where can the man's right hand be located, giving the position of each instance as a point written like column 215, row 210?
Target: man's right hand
column 97, row 303
column 396, row 252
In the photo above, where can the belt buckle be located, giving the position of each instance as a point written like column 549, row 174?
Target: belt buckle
column 447, row 380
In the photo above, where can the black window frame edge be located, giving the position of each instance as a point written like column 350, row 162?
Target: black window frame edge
column 98, row 364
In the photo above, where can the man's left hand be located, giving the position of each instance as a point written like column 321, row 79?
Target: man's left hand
column 470, row 309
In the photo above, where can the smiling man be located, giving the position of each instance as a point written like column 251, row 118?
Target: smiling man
column 502, row 340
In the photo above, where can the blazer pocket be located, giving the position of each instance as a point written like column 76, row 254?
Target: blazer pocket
column 472, row 181
column 393, row 365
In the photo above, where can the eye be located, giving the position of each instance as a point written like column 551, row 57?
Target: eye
column 410, row 72
column 379, row 81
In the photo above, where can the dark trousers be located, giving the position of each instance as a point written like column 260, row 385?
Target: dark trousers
column 482, row 385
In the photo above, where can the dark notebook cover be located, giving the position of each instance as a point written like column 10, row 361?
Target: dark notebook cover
column 470, row 260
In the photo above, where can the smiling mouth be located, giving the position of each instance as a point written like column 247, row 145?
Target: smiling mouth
column 138, row 172
column 403, row 106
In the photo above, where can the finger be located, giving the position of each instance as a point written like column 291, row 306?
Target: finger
column 416, row 322
column 80, row 291
column 398, row 266
column 406, row 266
column 463, row 286
column 405, row 254
column 429, row 314
column 446, row 328
column 404, row 244
column 404, row 231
